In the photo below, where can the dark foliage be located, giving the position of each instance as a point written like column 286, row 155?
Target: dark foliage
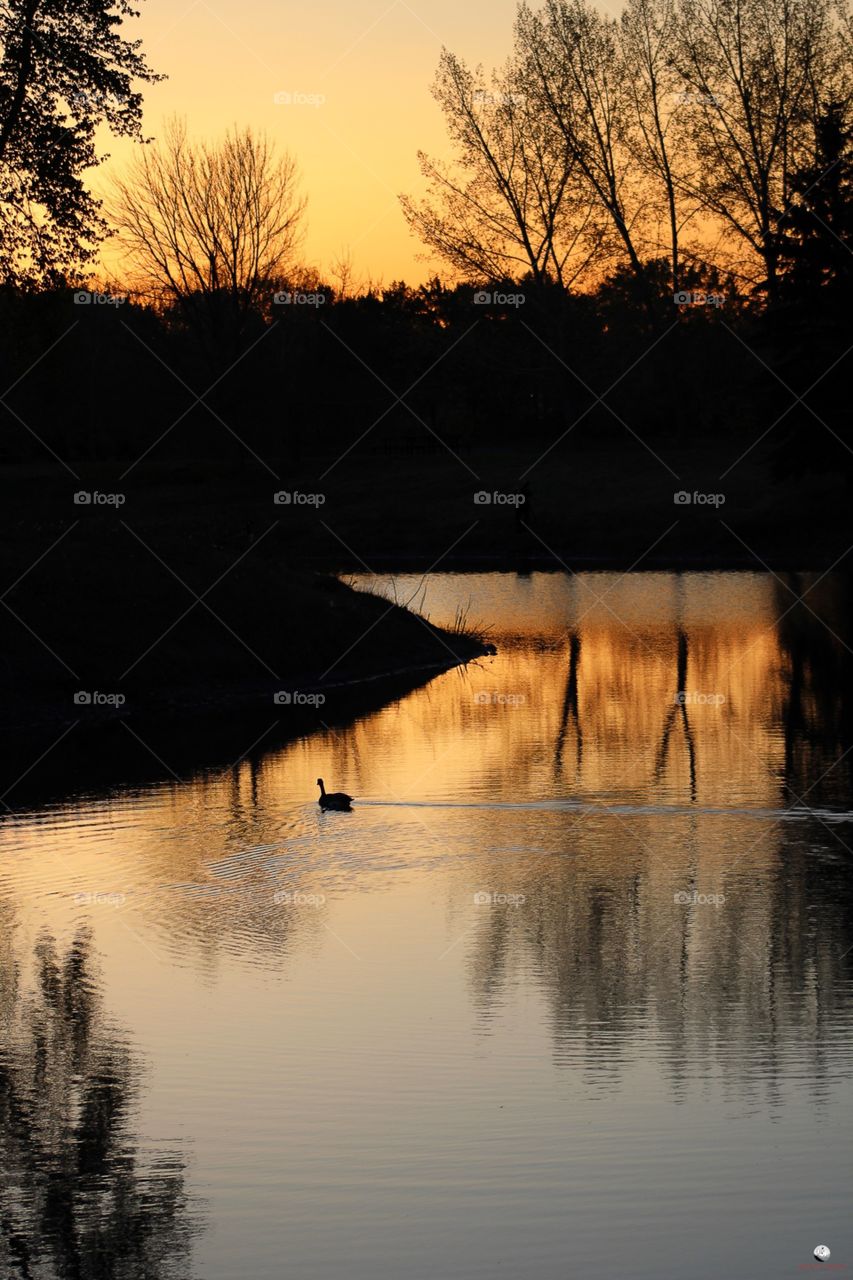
column 64, row 70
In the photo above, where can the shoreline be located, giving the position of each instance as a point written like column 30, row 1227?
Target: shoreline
column 248, row 698
column 189, row 738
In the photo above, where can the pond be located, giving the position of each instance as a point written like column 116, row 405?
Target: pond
column 569, row 991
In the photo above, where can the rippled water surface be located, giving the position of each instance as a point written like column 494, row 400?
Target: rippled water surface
column 568, row 992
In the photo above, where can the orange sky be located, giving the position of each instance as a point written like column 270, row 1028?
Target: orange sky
column 370, row 61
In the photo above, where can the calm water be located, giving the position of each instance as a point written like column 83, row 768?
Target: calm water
column 568, row 993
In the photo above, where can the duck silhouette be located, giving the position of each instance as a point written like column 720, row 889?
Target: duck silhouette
column 333, row 799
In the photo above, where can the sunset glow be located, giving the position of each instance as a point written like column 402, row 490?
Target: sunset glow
column 358, row 73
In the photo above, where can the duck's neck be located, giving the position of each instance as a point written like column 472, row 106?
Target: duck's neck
column 322, row 788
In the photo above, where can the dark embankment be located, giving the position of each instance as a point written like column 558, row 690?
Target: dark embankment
column 55, row 765
column 190, row 609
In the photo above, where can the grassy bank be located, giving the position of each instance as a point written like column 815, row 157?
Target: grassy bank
column 109, row 615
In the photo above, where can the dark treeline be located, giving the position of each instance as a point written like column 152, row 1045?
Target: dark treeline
column 511, row 364
column 654, row 209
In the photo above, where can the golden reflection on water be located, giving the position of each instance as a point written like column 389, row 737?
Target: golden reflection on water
column 640, row 723
column 583, row 859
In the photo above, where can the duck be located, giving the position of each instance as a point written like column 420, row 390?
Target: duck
column 333, row 799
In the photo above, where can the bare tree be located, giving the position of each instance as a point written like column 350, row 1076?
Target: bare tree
column 215, row 222
column 681, row 125
column 577, row 80
column 756, row 73
column 509, row 202
column 660, row 141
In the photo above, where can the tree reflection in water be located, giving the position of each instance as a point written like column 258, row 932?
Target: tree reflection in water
column 75, row 1200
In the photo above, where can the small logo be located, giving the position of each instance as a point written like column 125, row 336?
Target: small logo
column 86, row 298
column 94, row 698
column 482, row 899
column 286, row 98
column 99, row 899
column 484, row 698
column 288, row 298
column 698, row 899
column 683, row 499
column 500, row 499
column 286, row 698
column 285, row 498
column 684, row 298
column 84, row 499
column 484, row 298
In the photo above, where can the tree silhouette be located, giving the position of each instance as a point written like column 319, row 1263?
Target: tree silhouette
column 75, row 1201
column 65, row 69
column 209, row 227
column 818, row 223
